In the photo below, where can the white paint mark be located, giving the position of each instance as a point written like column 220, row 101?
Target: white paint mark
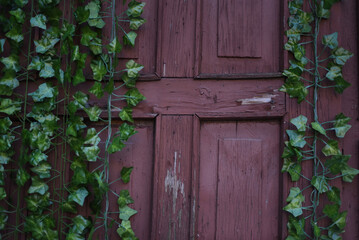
column 164, row 69
column 173, row 184
column 265, row 98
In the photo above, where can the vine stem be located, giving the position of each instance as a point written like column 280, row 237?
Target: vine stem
column 109, row 123
column 315, row 201
column 24, row 122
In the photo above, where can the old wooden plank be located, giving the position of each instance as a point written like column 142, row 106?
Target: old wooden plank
column 218, row 197
column 239, row 28
column 270, row 42
column 177, row 38
column 172, row 206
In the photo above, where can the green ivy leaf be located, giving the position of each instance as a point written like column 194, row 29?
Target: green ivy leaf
column 295, row 89
column 87, row 35
column 114, row 46
column 39, row 21
column 45, row 44
column 79, row 224
column 38, row 186
column 135, row 9
column 47, row 71
column 38, row 203
column 124, row 198
column 293, row 73
column 129, row 82
column 331, row 210
column 44, row 91
column 116, row 145
column 91, row 153
column 295, row 192
column 126, row 114
column 95, row 46
column 74, row 236
column 316, row 126
column 8, row 83
column 99, row 69
column 334, row 195
column 135, row 23
column 4, row 158
column 95, row 19
column 133, row 97
column 3, row 220
column 334, row 72
column 341, row 55
column 97, row 90
column 126, row 212
column 130, row 38
column 340, row 84
column 11, row 63
column 42, row 169
column 79, row 196
column 331, row 148
column 79, row 177
column 19, row 15
column 93, row 113
column 36, row 64
column 331, row 40
column 82, row 14
column 125, row 231
column 110, row 86
column 349, row 173
column 9, row 106
column 133, row 69
column 340, row 220
column 79, row 77
column 5, row 124
column 292, row 168
column 296, row 138
column 15, row 34
column 80, row 99
column 322, row 11
column 300, row 122
column 125, row 174
column 75, row 125
column 92, row 137
column 126, row 131
column 21, row 3
column 329, row 3
column 320, row 183
column 295, row 203
column 296, row 228
column 2, row 193
column 69, row 207
column 337, row 163
column 36, row 157
column 2, row 43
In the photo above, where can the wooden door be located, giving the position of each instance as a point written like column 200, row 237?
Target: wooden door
column 207, row 156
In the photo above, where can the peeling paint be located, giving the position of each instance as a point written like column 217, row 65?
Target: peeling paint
column 173, row 184
column 265, row 98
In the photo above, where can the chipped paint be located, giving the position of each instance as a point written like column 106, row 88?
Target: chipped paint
column 173, row 184
column 265, row 98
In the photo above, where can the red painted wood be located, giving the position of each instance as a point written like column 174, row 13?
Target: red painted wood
column 240, row 28
column 239, row 189
column 172, row 206
column 210, row 39
column 230, row 197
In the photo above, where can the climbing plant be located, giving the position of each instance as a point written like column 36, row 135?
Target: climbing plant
column 314, row 208
column 50, row 51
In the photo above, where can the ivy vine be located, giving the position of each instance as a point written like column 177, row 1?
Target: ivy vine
column 315, row 140
column 44, row 47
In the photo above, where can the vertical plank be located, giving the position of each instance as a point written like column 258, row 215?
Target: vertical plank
column 239, row 189
column 178, row 34
column 174, row 176
column 239, row 28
